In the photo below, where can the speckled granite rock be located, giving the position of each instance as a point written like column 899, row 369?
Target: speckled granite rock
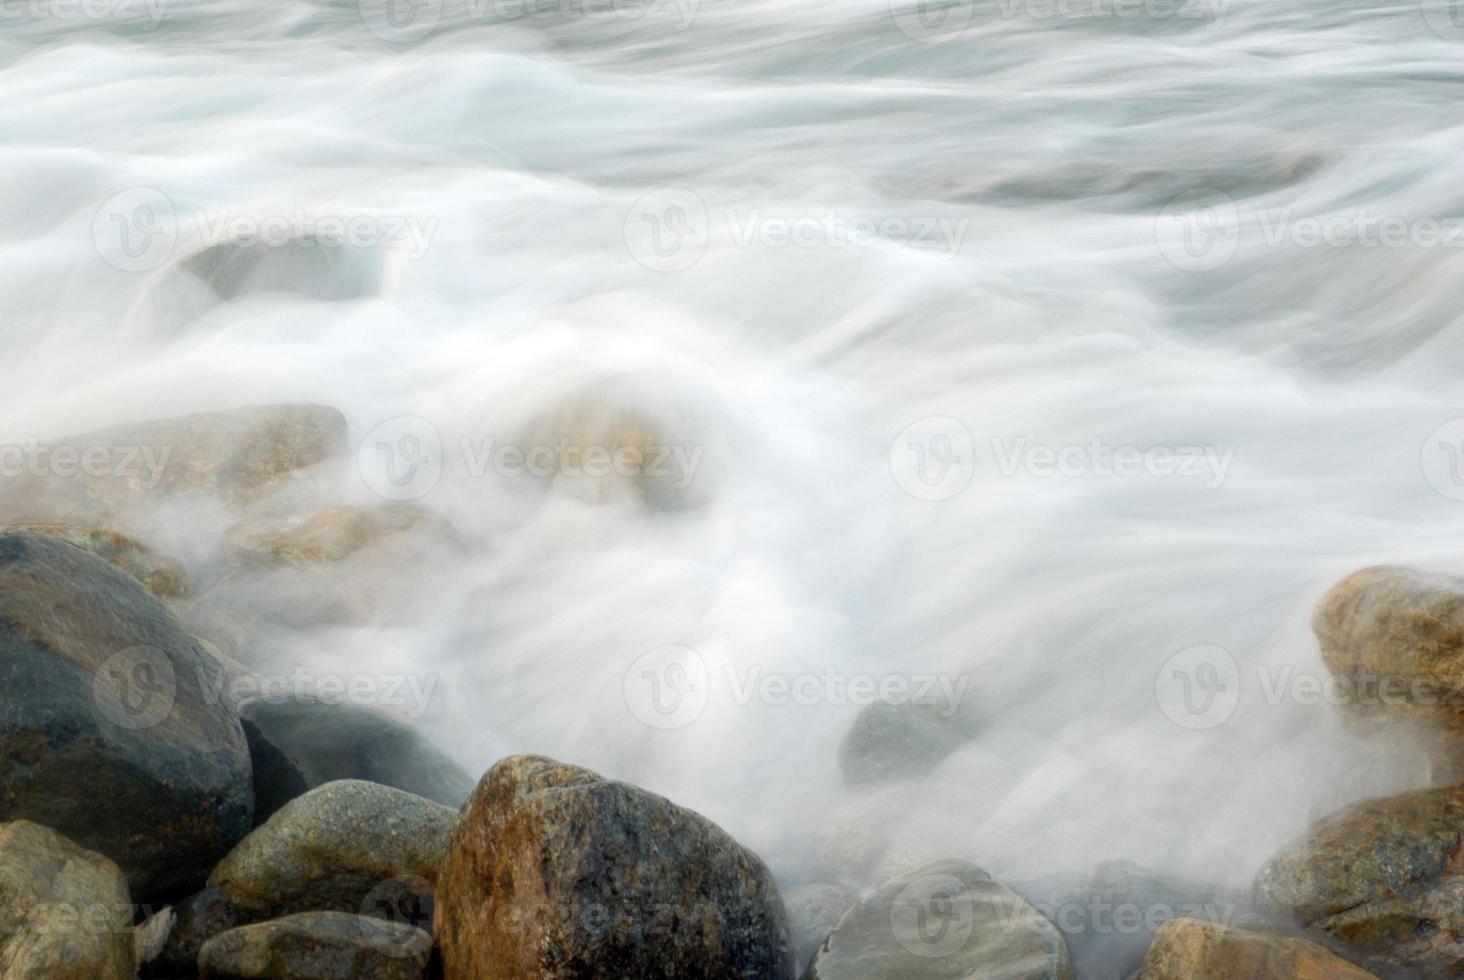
column 557, row 873
column 317, row 946
column 1188, row 949
column 163, row 578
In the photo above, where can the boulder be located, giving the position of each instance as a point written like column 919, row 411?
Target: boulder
column 813, row 911
column 892, row 742
column 376, row 535
column 106, row 700
column 327, row 741
column 65, row 913
column 163, row 578
column 317, row 946
column 1383, row 880
column 103, row 478
column 1396, row 637
column 347, row 846
column 556, row 872
column 947, row 920
column 276, row 779
column 1189, row 949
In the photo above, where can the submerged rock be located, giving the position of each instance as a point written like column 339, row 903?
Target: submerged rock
column 276, row 779
column 65, row 913
column 1188, row 949
column 317, row 946
column 347, row 846
column 102, row 478
column 163, row 578
column 108, row 731
column 892, row 742
column 326, row 741
column 556, row 872
column 942, row 921
column 813, row 912
column 388, row 532
column 1383, row 879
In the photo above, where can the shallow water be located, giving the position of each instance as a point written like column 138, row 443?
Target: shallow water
column 1020, row 267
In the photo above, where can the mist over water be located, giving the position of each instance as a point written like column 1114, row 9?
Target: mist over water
column 1027, row 278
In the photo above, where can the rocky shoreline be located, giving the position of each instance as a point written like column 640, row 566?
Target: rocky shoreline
column 150, row 826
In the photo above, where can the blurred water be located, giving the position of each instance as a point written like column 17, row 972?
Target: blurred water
column 1053, row 145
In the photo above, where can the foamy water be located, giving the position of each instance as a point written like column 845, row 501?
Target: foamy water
column 785, row 233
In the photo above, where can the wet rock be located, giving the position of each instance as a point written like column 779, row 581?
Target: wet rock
column 1188, row 949
column 65, row 913
column 347, row 846
column 315, row 266
column 197, row 918
column 1383, row 880
column 276, row 780
column 1396, row 636
column 556, row 872
column 105, row 700
column 390, row 532
column 947, row 919
column 317, row 946
column 892, row 742
column 150, row 936
column 103, row 478
column 163, row 578
column 328, row 741
column 813, row 911
column 1108, row 916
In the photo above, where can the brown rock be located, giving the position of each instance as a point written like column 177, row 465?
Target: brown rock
column 317, row 946
column 334, row 534
column 1382, row 879
column 65, row 913
column 164, row 578
column 1190, row 949
column 555, row 872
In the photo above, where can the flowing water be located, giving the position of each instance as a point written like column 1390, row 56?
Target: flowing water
column 997, row 341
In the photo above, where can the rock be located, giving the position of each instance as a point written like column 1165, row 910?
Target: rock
column 891, row 742
column 317, row 946
column 103, row 478
column 375, row 534
column 813, row 911
column 163, row 578
column 1382, row 879
column 65, row 913
column 328, row 741
column 1188, row 949
column 1108, row 916
column 347, row 846
column 1396, row 636
column 556, row 872
column 276, row 780
column 197, row 918
column 150, row 937
column 945, row 920
column 106, row 700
